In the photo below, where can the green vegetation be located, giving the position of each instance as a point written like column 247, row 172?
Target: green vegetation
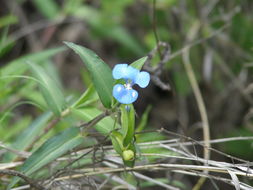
column 59, row 121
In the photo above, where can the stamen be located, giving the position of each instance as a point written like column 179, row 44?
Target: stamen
column 128, row 86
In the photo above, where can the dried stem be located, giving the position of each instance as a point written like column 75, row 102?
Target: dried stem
column 94, row 121
column 24, row 177
column 200, row 102
column 184, row 167
column 154, row 28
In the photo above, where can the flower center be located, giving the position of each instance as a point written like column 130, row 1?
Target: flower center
column 128, row 86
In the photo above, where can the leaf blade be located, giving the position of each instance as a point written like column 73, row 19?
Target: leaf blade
column 117, row 140
column 50, row 90
column 128, row 123
column 101, row 73
column 105, row 126
column 48, row 8
column 18, row 66
column 88, row 96
column 28, row 135
column 49, row 151
column 138, row 64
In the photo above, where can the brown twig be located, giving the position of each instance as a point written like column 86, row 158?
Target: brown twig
column 215, row 166
column 157, row 71
column 94, row 149
column 154, row 28
column 199, row 41
column 24, row 177
column 200, row 102
column 199, row 99
column 32, row 39
column 160, row 166
column 95, row 120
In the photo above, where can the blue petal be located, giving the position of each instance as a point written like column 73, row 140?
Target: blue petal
column 142, row 79
column 132, row 73
column 124, row 71
column 119, row 71
column 123, row 95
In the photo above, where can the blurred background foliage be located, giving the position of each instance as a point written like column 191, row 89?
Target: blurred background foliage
column 218, row 32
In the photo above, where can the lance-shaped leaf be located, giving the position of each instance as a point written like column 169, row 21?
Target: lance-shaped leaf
column 104, row 126
column 19, row 66
column 144, row 119
column 87, row 97
column 117, row 141
column 49, row 88
column 127, row 123
column 49, row 151
column 138, row 64
column 48, row 8
column 25, row 138
column 100, row 72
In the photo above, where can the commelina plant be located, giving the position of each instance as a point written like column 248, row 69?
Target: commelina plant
column 103, row 79
column 125, row 94
column 113, row 89
column 117, row 83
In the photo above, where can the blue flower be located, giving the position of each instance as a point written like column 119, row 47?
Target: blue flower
column 124, row 93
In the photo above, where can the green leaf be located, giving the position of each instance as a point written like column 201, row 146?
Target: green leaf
column 49, row 151
column 121, row 35
column 28, row 135
column 5, row 43
column 7, row 133
column 49, row 88
column 48, row 8
column 100, row 72
column 138, row 64
column 235, row 147
column 105, row 126
column 35, row 96
column 8, row 20
column 127, row 123
column 117, row 140
column 18, row 66
column 155, row 153
column 175, row 183
column 52, row 71
column 103, row 28
column 149, row 137
column 144, row 119
column 181, row 83
column 88, row 96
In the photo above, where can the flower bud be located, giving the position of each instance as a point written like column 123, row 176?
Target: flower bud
column 128, row 108
column 128, row 155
